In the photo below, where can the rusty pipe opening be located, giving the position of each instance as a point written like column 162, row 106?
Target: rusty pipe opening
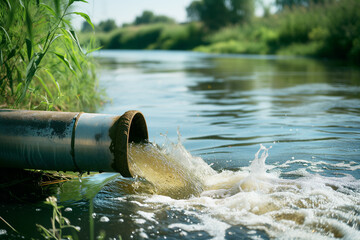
column 131, row 127
column 65, row 141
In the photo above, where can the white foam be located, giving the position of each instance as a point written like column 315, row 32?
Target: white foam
column 208, row 225
column 148, row 216
column 140, row 221
column 143, row 234
column 315, row 166
column 310, row 206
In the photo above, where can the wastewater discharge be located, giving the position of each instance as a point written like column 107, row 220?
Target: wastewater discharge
column 310, row 206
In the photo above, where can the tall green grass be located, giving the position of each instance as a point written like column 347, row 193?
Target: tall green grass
column 43, row 65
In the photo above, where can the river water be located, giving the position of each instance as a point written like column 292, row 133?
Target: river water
column 242, row 147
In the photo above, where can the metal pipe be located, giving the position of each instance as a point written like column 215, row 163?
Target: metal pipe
column 69, row 141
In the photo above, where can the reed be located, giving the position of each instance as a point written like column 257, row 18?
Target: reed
column 43, row 66
column 58, row 223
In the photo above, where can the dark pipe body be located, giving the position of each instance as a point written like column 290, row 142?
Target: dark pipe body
column 65, row 141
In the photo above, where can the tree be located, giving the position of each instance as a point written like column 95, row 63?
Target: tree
column 107, row 26
column 219, row 13
column 145, row 18
column 240, row 10
column 86, row 27
column 163, row 19
column 148, row 17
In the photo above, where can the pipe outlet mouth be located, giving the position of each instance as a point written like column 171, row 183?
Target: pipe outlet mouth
column 62, row 141
column 128, row 128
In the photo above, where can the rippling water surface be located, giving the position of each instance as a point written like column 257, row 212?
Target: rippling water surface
column 253, row 147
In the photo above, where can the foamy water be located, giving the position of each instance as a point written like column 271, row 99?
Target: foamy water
column 310, row 206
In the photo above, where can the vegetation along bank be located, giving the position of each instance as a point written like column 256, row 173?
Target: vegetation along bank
column 316, row 28
column 43, row 66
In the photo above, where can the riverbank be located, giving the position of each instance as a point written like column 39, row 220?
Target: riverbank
column 326, row 31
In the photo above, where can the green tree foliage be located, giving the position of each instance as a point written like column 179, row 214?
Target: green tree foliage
column 148, row 17
column 282, row 4
column 151, row 36
column 342, row 36
column 103, row 26
column 216, row 14
column 42, row 64
column 106, row 26
column 329, row 30
column 86, row 27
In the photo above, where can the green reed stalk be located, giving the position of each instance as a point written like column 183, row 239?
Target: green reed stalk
column 40, row 54
column 58, row 223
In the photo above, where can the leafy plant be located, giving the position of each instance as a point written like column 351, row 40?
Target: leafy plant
column 39, row 53
column 58, row 223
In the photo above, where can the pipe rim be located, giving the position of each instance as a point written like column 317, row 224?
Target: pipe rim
column 130, row 127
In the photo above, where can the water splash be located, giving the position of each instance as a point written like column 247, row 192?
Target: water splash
column 258, row 166
column 170, row 170
column 308, row 207
column 80, row 174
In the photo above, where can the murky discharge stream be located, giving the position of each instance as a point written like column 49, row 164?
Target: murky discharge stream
column 257, row 197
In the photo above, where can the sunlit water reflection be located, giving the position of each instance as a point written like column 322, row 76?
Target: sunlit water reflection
column 210, row 185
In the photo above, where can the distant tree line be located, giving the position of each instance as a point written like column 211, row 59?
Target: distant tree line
column 214, row 14
column 147, row 17
column 320, row 28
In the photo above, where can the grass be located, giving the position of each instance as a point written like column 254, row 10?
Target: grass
column 43, row 66
column 58, row 223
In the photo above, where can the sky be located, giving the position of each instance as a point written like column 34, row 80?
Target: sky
column 125, row 11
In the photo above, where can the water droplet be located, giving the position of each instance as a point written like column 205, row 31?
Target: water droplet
column 80, row 175
column 93, row 215
column 3, row 232
column 68, row 209
column 104, row 219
